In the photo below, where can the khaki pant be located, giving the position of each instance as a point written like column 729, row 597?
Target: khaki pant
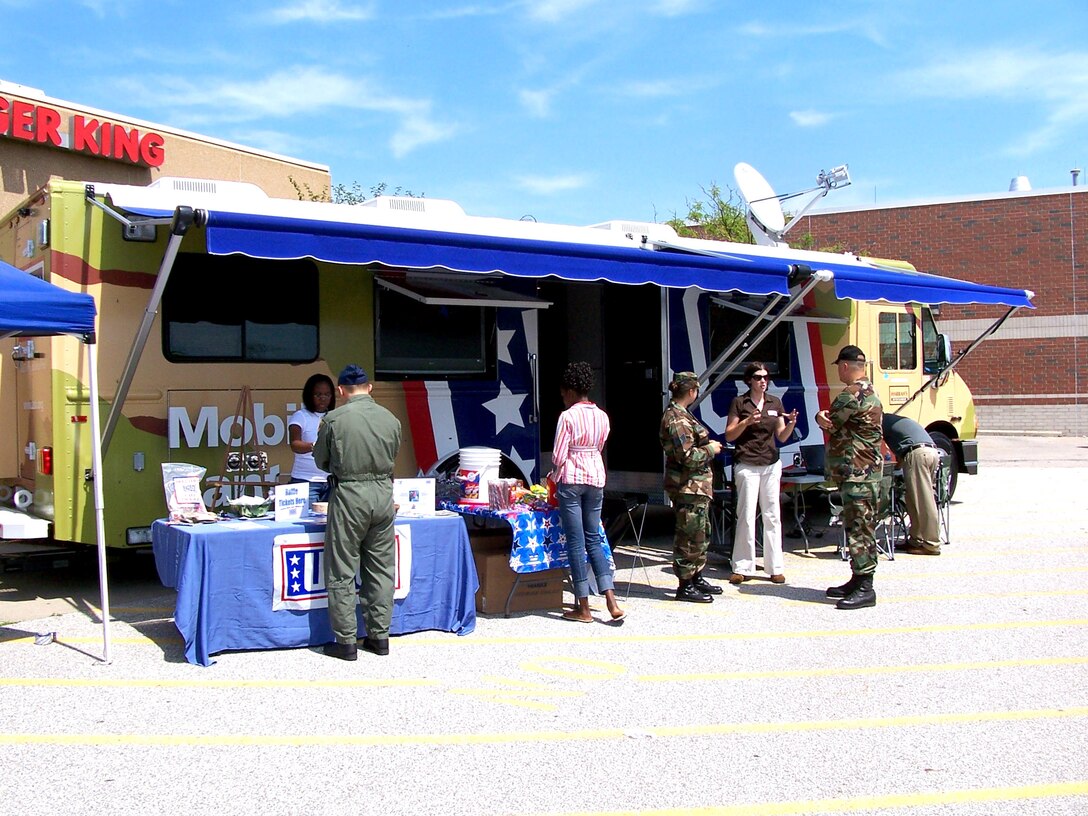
column 360, row 539
column 919, row 468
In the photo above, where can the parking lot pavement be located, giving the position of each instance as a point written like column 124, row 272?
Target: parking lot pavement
column 964, row 691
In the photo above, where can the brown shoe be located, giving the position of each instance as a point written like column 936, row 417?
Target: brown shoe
column 736, row 579
column 778, row 579
column 917, row 549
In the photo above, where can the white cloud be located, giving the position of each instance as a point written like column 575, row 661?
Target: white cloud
column 555, row 11
column 675, row 8
column 537, row 103
column 863, row 27
column 550, row 185
column 810, row 118
column 656, row 88
column 320, row 11
column 1058, row 83
column 294, row 91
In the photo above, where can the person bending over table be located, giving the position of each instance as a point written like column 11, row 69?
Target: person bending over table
column 918, row 456
column 756, row 420
column 689, row 484
column 358, row 445
column 318, row 398
column 578, row 471
column 855, row 463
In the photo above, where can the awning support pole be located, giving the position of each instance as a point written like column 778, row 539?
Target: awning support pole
column 184, row 218
column 959, row 358
column 727, row 368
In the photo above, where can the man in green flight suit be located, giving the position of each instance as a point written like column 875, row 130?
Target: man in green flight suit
column 357, row 445
column 855, row 463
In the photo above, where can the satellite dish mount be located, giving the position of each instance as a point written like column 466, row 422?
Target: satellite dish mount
column 764, row 212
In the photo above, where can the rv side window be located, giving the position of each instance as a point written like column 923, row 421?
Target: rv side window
column 773, row 351
column 236, row 309
column 931, row 354
column 421, row 340
column 898, row 341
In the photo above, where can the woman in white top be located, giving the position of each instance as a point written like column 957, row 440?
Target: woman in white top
column 318, row 398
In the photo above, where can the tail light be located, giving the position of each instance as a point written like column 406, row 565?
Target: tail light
column 45, row 461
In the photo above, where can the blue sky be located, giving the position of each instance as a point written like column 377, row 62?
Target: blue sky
column 579, row 111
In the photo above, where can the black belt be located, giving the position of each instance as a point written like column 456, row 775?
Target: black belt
column 919, row 445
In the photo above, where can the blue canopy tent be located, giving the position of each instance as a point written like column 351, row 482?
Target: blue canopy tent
column 31, row 307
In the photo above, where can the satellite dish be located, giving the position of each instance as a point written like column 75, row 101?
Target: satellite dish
column 765, row 216
column 763, row 204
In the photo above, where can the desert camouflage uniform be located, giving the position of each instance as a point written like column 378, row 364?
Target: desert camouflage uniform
column 689, row 484
column 855, row 463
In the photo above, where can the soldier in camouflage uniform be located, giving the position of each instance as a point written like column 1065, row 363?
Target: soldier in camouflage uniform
column 689, row 484
column 855, row 463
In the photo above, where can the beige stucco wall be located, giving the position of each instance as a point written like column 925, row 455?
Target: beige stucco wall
column 27, row 166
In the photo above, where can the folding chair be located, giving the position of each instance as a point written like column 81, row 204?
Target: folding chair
column 942, row 482
column 893, row 523
column 632, row 503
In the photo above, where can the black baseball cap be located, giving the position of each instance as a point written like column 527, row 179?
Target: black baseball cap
column 850, row 354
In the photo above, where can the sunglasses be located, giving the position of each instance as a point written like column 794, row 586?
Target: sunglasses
column 760, row 376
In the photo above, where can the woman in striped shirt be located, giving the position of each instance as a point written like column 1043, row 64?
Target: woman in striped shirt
column 578, row 470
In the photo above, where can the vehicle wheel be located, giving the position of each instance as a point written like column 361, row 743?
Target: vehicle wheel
column 945, row 444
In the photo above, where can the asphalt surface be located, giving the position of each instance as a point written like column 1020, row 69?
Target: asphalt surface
column 964, row 691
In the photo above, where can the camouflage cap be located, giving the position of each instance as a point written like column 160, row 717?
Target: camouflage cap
column 684, row 379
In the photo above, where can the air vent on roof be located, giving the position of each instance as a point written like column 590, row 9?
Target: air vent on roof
column 657, row 232
column 236, row 189
column 409, row 204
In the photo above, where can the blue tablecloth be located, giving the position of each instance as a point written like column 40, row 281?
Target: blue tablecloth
column 538, row 540
column 231, row 578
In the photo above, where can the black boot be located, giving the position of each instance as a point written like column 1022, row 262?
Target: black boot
column 378, row 646
column 703, row 585
column 845, row 589
column 862, row 596
column 688, row 592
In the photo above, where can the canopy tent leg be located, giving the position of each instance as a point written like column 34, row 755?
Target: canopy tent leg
column 99, row 502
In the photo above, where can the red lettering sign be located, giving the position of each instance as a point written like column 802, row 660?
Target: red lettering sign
column 85, row 135
column 41, row 124
column 22, row 120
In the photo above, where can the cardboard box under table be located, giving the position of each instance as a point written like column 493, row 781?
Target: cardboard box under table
column 532, row 548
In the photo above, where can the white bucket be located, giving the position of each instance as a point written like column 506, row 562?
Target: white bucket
column 475, row 468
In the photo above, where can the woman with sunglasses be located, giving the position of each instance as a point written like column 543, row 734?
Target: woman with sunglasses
column 756, row 420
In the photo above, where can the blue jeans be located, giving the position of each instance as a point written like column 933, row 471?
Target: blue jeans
column 319, row 491
column 580, row 510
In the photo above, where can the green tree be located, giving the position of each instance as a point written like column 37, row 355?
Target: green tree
column 721, row 217
column 344, row 194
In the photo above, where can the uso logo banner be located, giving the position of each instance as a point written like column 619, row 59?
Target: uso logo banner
column 298, row 569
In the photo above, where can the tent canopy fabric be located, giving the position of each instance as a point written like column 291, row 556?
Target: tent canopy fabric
column 32, row 307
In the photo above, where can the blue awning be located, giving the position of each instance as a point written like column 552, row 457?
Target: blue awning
column 263, row 236
column 709, row 265
column 872, row 282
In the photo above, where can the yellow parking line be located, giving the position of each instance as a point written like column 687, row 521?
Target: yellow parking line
column 836, row 671
column 684, row 731
column 81, row 682
column 694, row 637
column 1049, row 790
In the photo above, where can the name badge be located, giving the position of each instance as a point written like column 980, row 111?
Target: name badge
column 772, row 413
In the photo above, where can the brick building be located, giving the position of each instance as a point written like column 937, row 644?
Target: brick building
column 1033, row 372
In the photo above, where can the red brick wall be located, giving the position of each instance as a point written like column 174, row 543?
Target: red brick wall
column 1037, row 242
